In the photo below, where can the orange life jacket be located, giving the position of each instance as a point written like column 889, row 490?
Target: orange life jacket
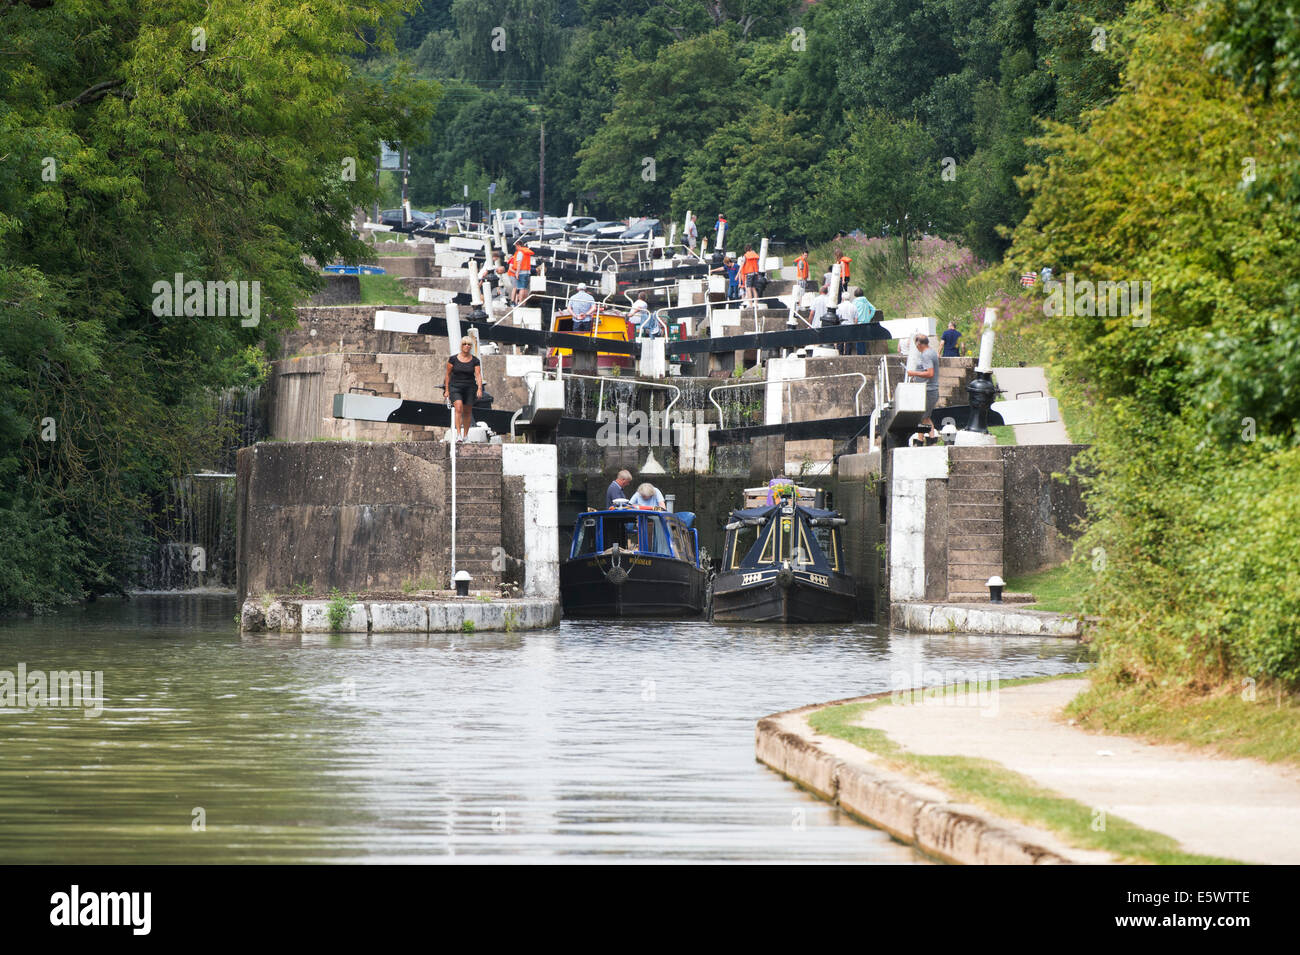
column 523, row 259
column 750, row 264
column 801, row 267
column 844, row 266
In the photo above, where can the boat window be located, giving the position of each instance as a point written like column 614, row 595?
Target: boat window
column 585, row 542
column 768, row 556
column 683, row 543
column 656, row 537
column 828, row 541
column 804, row 554
column 621, row 531
column 742, row 542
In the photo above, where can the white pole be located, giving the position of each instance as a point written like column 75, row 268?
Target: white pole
column 722, row 231
column 672, row 235
column 453, row 328
column 569, row 214
column 986, row 341
column 835, row 286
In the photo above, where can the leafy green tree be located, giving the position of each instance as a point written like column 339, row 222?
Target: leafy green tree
column 889, row 177
column 223, row 141
column 664, row 110
column 755, row 170
column 1197, row 451
column 507, row 42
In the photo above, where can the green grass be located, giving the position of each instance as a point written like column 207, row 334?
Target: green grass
column 384, row 290
column 1226, row 721
column 998, row 789
column 1060, row 589
column 1003, row 432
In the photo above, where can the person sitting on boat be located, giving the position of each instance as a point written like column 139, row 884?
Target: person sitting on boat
column 582, row 307
column 647, row 324
column 617, row 490
column 647, row 496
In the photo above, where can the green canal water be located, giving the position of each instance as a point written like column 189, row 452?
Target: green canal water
column 594, row 742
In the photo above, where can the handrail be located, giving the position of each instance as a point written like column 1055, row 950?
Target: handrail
column 788, row 382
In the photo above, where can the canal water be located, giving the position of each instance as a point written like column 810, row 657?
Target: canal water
column 594, row 742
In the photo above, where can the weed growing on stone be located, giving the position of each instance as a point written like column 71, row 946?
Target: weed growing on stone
column 339, row 606
column 467, row 626
column 511, row 620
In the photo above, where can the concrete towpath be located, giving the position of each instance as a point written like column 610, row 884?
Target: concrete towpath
column 1018, row 381
column 1235, row 808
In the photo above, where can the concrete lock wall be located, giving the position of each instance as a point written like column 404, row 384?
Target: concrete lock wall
column 1041, row 516
column 530, row 515
column 857, row 498
column 360, row 517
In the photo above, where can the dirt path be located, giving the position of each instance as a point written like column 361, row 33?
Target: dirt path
column 1236, row 808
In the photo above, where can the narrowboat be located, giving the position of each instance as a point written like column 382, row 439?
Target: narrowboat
column 783, row 562
column 632, row 562
column 611, row 324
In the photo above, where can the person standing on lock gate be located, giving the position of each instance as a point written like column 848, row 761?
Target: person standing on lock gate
column 463, row 384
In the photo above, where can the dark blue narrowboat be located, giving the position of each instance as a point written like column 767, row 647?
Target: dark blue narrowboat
column 630, row 562
column 783, row 563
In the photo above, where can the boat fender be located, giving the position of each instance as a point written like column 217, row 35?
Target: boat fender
column 785, row 576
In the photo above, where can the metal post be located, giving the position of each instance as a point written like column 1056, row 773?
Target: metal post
column 541, row 179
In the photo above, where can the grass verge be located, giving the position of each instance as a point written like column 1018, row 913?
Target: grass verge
column 384, row 290
column 1060, row 589
column 1241, row 721
column 998, row 789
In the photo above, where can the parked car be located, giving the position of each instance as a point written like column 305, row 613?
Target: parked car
column 601, row 230
column 514, row 221
column 575, row 223
column 643, row 230
column 418, row 220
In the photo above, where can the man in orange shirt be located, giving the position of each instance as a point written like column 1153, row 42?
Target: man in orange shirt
column 801, row 273
column 521, row 266
column 749, row 273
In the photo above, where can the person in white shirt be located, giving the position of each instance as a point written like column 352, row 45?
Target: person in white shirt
column 847, row 315
column 819, row 308
column 646, row 324
column 647, row 495
column 583, row 309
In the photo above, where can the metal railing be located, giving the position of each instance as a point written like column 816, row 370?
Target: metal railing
column 788, row 382
column 884, row 396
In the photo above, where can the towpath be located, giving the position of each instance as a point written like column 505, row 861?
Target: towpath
column 1235, row 808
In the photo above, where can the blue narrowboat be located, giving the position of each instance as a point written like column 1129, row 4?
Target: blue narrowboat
column 631, row 562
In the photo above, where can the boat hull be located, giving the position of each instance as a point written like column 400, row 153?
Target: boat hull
column 653, row 587
column 761, row 598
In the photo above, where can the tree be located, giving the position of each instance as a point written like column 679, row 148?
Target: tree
column 888, row 178
column 754, row 169
column 224, row 141
column 663, row 111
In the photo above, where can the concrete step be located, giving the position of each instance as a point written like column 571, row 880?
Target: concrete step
column 972, row 572
column 968, row 555
column 957, row 587
column 982, row 496
column 967, row 454
column 973, row 511
column 985, row 543
column 965, row 481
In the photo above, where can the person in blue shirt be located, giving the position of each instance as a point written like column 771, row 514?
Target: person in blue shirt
column 950, row 338
column 617, row 489
column 865, row 312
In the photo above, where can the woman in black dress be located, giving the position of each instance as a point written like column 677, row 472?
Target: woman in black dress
column 463, row 384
